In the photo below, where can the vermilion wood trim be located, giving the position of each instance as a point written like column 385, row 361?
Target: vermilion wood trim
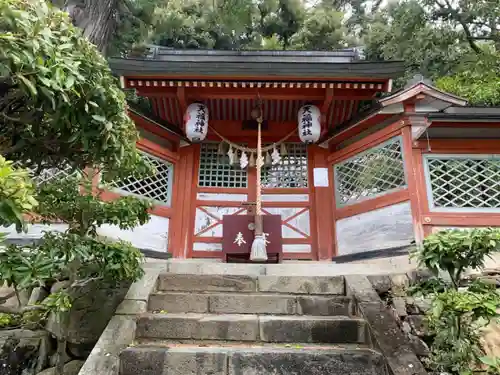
column 333, row 209
column 285, row 191
column 208, row 213
column 459, row 146
column 286, row 204
column 413, row 184
column 373, row 204
column 321, row 206
column 175, row 224
column 146, row 125
column 211, row 203
column 313, row 200
column 191, row 212
column 206, row 203
column 466, row 124
column 206, row 254
column 220, row 255
column 286, row 241
column 367, row 142
column 288, row 225
column 300, row 212
column 217, row 190
column 299, row 256
column 157, row 150
column 461, row 219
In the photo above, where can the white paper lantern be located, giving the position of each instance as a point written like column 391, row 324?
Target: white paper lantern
column 309, row 124
column 196, row 121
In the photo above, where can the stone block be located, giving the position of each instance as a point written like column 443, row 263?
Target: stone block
column 302, row 284
column 172, row 302
column 419, row 346
column 324, row 306
column 208, row 283
column 305, row 362
column 381, row 283
column 388, row 338
column 195, row 361
column 199, row 326
column 214, row 268
column 94, row 305
column 141, row 361
column 360, row 288
column 131, row 307
column 228, row 327
column 304, row 329
column 23, row 351
column 400, row 280
column 70, row 368
column 417, row 324
column 399, row 304
column 104, row 358
column 253, row 304
column 141, row 289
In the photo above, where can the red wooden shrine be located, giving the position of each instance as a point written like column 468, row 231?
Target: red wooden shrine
column 378, row 151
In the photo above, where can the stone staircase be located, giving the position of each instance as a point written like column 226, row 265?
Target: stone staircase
column 202, row 324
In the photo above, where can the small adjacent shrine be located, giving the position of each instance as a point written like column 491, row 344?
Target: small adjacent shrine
column 272, row 155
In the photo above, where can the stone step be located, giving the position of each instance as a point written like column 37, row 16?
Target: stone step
column 266, row 360
column 320, row 285
column 249, row 303
column 258, row 328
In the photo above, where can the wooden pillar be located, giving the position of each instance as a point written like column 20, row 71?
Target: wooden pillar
column 183, row 203
column 414, row 173
column 322, row 219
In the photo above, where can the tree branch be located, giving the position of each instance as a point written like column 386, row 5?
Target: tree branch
column 4, row 299
column 458, row 17
column 22, row 310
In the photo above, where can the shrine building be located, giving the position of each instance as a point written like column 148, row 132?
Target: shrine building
column 350, row 168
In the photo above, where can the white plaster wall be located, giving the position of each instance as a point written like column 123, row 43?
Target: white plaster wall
column 151, row 236
column 35, row 231
column 383, row 228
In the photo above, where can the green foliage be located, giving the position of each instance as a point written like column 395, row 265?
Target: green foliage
column 455, row 320
column 53, row 77
column 477, row 80
column 9, row 320
column 83, row 209
column 16, row 194
column 453, row 251
column 457, row 316
column 492, row 364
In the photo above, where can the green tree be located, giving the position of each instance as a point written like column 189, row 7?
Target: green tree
column 59, row 102
column 405, row 31
column 323, row 29
column 282, row 18
column 477, row 79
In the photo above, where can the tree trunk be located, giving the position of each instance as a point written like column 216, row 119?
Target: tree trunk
column 97, row 19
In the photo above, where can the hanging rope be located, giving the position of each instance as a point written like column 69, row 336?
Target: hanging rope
column 252, row 150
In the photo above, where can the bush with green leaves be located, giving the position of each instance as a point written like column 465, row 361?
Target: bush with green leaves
column 51, row 76
column 16, row 194
column 458, row 315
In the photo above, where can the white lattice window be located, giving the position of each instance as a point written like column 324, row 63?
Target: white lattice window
column 215, row 170
column 463, row 182
column 157, row 187
column 374, row 172
column 290, row 172
column 46, row 175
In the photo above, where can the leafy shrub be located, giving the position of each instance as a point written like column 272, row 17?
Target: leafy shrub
column 51, row 76
column 457, row 315
column 16, row 194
